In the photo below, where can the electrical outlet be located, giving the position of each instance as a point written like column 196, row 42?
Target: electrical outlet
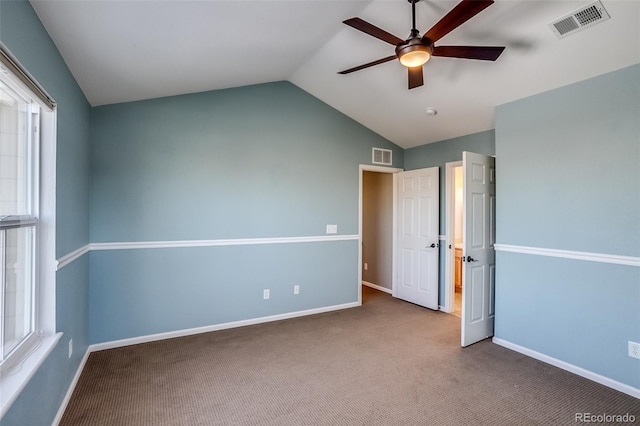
column 70, row 347
column 265, row 293
column 296, row 289
column 366, row 266
column 634, row 349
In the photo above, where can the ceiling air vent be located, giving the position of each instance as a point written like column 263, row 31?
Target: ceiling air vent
column 381, row 156
column 579, row 20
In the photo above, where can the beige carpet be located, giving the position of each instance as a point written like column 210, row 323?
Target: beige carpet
column 385, row 363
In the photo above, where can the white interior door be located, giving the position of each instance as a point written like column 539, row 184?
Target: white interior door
column 478, row 267
column 417, row 240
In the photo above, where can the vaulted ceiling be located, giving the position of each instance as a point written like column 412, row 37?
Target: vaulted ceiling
column 121, row 50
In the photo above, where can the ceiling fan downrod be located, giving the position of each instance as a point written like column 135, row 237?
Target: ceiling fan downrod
column 414, row 31
column 414, row 51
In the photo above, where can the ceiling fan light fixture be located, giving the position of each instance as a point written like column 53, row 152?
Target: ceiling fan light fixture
column 414, row 53
column 415, row 59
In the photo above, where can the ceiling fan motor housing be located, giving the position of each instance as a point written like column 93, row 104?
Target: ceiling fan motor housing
column 413, row 46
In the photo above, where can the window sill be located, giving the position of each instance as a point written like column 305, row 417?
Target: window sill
column 13, row 382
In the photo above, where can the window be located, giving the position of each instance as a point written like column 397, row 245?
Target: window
column 19, row 122
column 27, row 228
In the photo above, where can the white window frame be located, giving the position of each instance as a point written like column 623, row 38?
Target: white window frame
column 17, row 370
column 30, row 220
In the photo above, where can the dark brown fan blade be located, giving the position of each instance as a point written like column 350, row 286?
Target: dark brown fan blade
column 484, row 53
column 460, row 14
column 370, row 64
column 415, row 77
column 373, row 31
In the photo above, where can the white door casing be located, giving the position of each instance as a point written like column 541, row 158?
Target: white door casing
column 478, row 267
column 448, row 298
column 417, row 238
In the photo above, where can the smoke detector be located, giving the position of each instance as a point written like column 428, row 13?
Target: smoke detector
column 579, row 20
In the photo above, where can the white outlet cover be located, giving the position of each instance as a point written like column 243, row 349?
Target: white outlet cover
column 265, row 294
column 634, row 349
column 332, row 229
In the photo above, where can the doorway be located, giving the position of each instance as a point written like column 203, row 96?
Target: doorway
column 376, row 225
column 454, row 186
column 477, row 208
column 404, row 264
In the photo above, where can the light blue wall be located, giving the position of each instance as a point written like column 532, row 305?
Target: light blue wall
column 253, row 162
column 141, row 292
column 573, row 153
column 569, row 178
column 22, row 33
column 449, row 150
column 260, row 161
column 437, row 155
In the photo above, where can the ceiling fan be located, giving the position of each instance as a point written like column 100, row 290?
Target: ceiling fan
column 416, row 50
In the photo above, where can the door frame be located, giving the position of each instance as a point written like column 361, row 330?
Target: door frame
column 449, row 286
column 378, row 169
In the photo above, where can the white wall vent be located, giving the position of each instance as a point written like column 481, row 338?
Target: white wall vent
column 381, row 156
column 579, row 20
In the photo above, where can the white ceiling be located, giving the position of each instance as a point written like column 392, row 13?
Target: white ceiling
column 120, row 50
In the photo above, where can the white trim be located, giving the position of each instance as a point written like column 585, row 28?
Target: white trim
column 76, row 254
column 47, row 278
column 379, row 169
column 568, row 254
column 72, row 387
column 629, row 390
column 449, row 273
column 394, row 253
column 377, row 287
column 214, row 243
column 70, row 257
column 216, row 327
column 12, row 383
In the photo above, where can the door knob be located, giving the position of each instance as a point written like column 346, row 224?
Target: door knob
column 433, row 245
column 471, row 259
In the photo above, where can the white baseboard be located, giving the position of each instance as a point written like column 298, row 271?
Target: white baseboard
column 624, row 388
column 190, row 331
column 72, row 387
column 377, row 287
